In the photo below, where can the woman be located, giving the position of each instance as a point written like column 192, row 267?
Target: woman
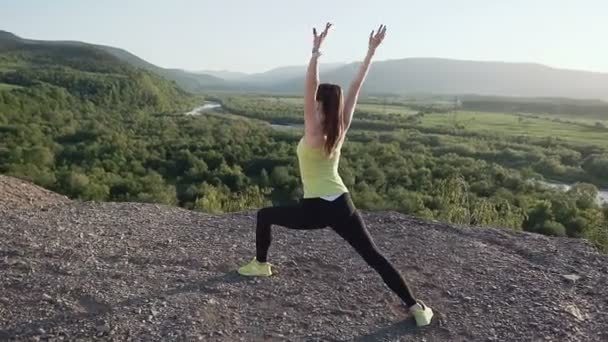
column 326, row 200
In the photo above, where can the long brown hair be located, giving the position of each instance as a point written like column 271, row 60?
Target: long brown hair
column 332, row 104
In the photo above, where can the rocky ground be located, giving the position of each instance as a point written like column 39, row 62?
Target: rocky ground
column 141, row 272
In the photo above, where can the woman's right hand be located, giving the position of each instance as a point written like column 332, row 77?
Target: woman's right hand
column 319, row 38
column 376, row 39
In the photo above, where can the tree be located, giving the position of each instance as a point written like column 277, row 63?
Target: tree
column 154, row 189
column 538, row 215
column 264, row 179
column 454, row 203
column 280, row 177
column 584, row 194
column 597, row 165
column 210, row 199
column 550, row 228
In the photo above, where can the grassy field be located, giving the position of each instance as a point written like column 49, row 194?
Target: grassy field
column 510, row 124
column 385, row 109
column 363, row 107
column 574, row 129
column 5, row 86
column 572, row 118
column 571, row 128
column 8, row 66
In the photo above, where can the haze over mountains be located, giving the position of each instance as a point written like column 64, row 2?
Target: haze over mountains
column 408, row 76
column 445, row 76
column 273, row 76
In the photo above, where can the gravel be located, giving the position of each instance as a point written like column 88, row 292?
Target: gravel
column 141, row 272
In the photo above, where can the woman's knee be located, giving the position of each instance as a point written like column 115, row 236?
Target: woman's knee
column 263, row 214
column 370, row 254
column 376, row 259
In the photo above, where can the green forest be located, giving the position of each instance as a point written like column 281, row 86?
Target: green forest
column 81, row 123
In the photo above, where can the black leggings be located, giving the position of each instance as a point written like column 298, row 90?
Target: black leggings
column 343, row 217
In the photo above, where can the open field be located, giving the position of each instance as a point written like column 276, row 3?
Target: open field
column 571, row 118
column 511, row 124
column 364, row 107
column 5, row 86
column 572, row 128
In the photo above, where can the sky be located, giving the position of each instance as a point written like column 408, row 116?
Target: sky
column 254, row 36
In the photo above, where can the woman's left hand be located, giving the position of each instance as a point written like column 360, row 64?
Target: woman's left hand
column 319, row 38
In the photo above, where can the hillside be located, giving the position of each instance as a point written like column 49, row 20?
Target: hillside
column 224, row 74
column 72, row 76
column 286, row 73
column 268, row 81
column 192, row 82
column 151, row 272
column 438, row 76
column 408, row 76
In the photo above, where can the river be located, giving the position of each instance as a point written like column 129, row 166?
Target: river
column 206, row 107
column 211, row 106
column 602, row 195
column 285, row 126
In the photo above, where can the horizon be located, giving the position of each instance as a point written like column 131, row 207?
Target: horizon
column 556, row 34
column 338, row 63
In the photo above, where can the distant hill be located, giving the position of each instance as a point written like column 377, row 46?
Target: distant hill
column 437, row 76
column 286, row 73
column 192, row 82
column 74, row 75
column 409, row 76
column 446, row 76
column 8, row 39
column 224, row 74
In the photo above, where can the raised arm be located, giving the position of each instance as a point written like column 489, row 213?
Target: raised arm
column 312, row 80
column 353, row 92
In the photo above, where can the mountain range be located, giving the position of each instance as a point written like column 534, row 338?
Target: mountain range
column 445, row 76
column 408, row 76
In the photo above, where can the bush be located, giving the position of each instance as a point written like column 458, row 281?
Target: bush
column 576, row 227
column 551, row 228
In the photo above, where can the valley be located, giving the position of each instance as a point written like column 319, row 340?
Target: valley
column 98, row 126
column 493, row 122
column 151, row 152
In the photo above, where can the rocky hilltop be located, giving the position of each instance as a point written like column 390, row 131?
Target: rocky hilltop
column 142, row 272
column 16, row 194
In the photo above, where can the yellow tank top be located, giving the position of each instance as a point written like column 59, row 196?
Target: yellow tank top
column 319, row 172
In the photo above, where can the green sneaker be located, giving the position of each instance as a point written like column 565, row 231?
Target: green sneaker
column 256, row 269
column 422, row 314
